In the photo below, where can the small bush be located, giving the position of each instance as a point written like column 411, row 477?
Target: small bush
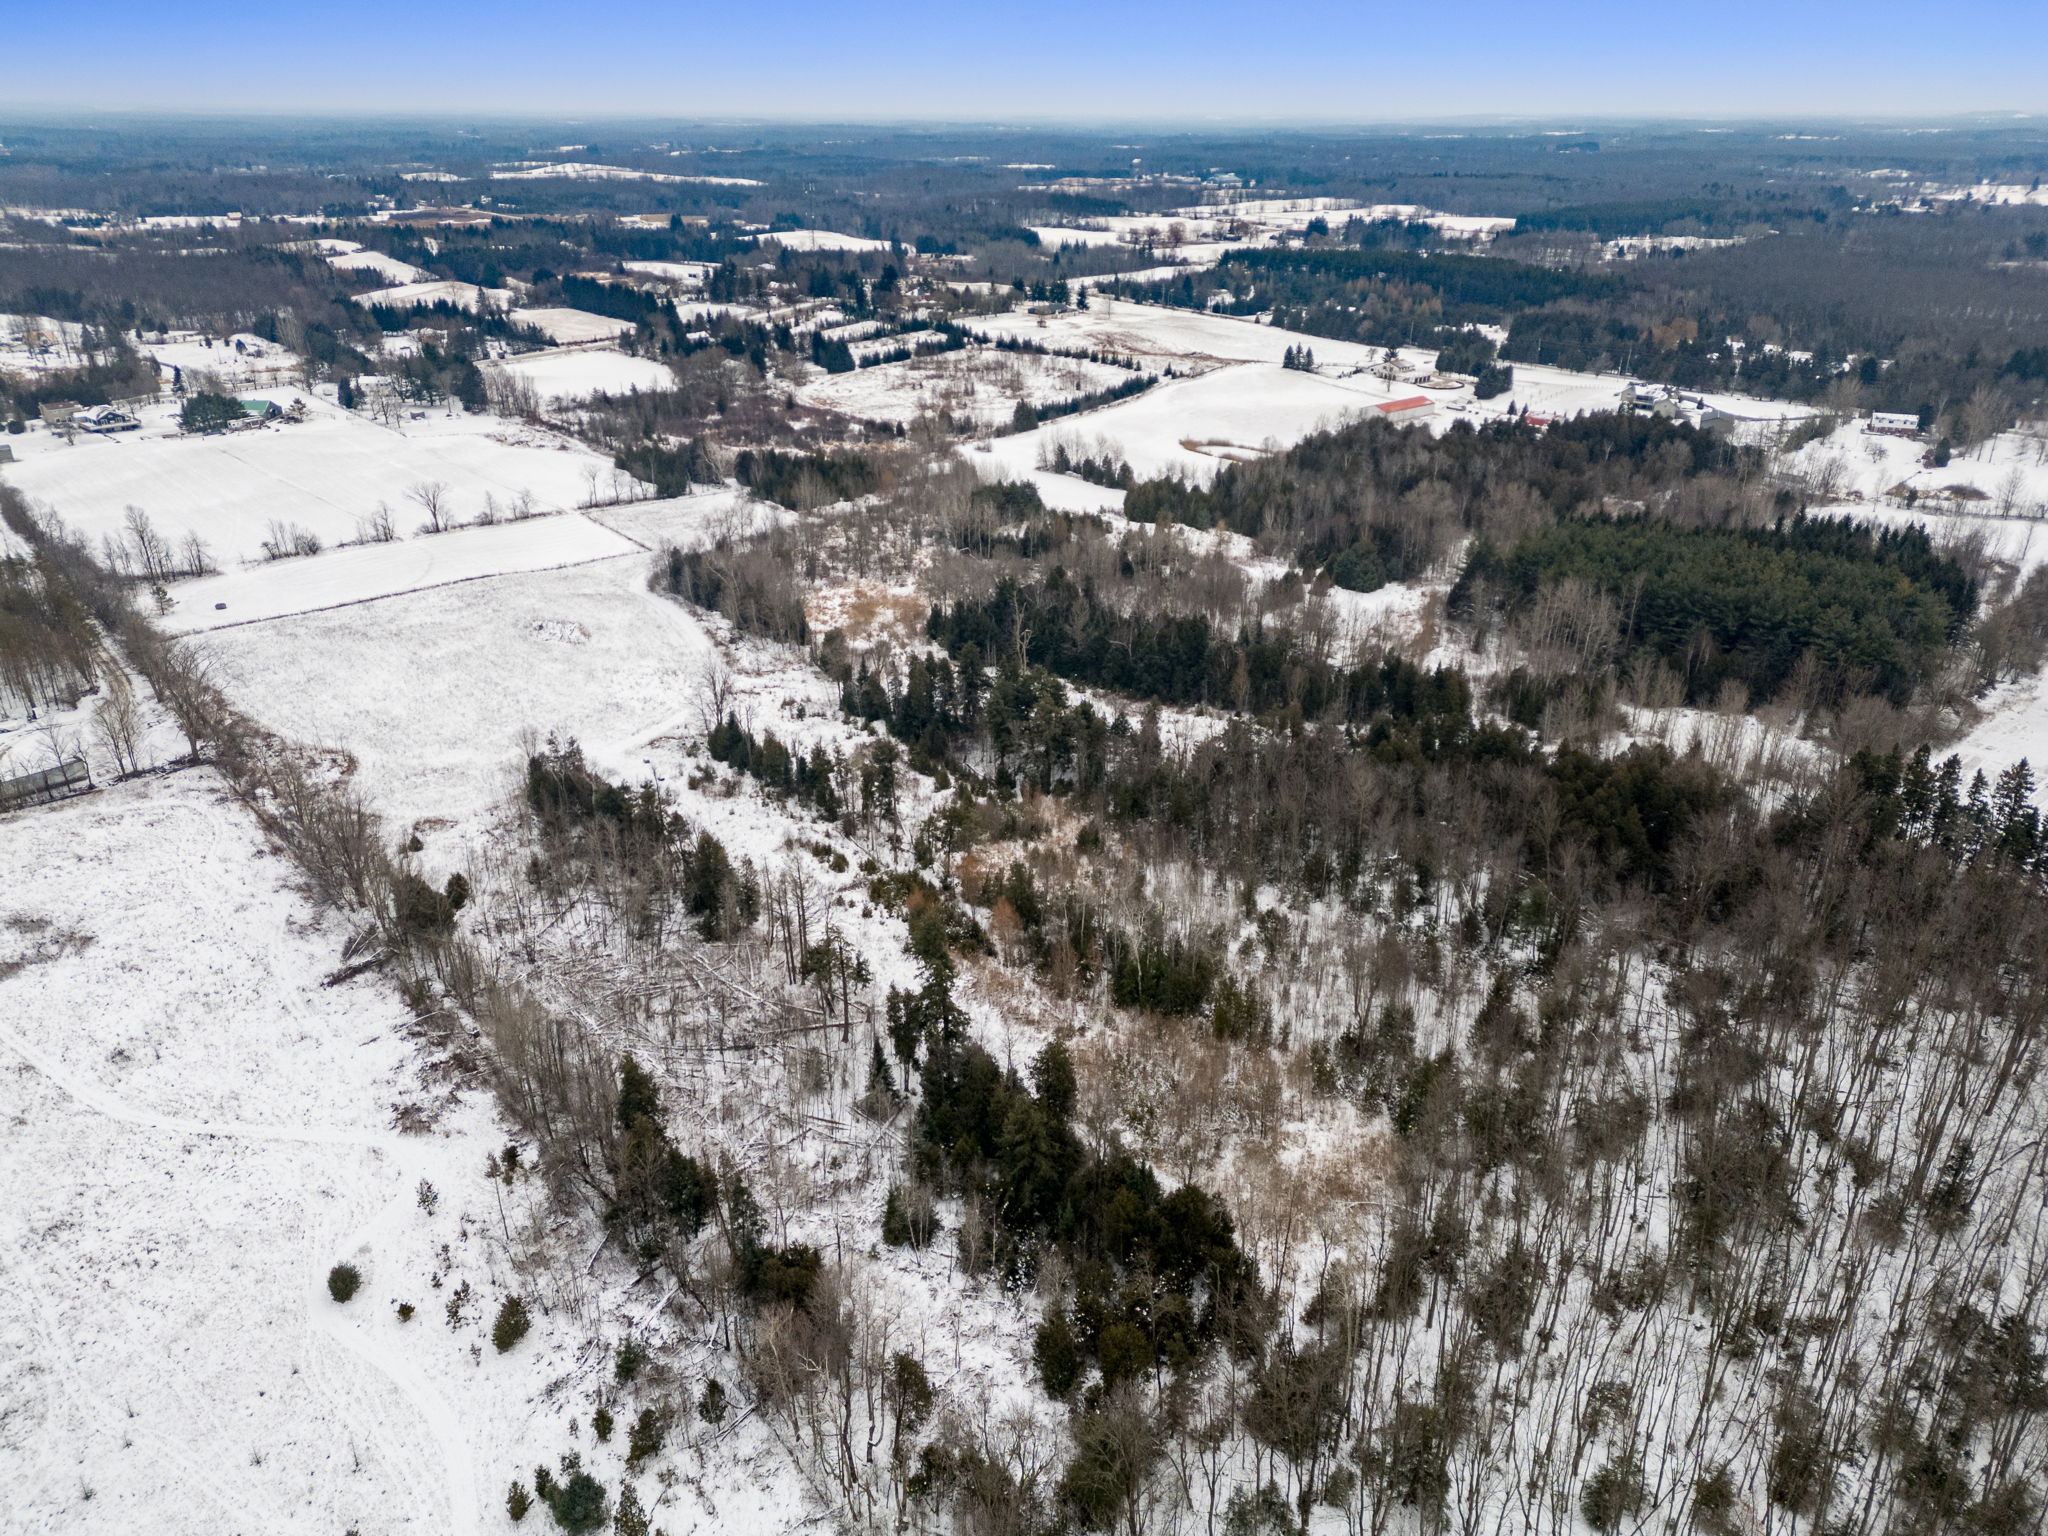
column 578, row 1504
column 405, row 1311
column 601, row 1424
column 711, row 1404
column 1612, row 1494
column 518, row 1502
column 632, row 1355
column 512, row 1324
column 645, row 1438
column 907, row 1217
column 343, row 1281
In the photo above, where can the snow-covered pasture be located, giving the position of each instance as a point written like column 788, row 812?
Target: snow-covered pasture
column 387, row 267
column 2000, row 479
column 558, row 376
column 568, row 326
column 419, row 295
column 432, row 691
column 366, row 572
column 981, row 383
column 196, row 1129
column 821, row 240
column 1192, row 427
column 327, row 474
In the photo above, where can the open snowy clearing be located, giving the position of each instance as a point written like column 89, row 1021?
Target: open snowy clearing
column 421, row 295
column 1189, row 339
column 365, row 572
column 690, row 274
column 578, row 170
column 566, row 326
column 981, row 383
column 1192, row 427
column 2004, row 477
column 326, row 474
column 821, row 240
column 588, row 651
column 196, row 1130
column 387, row 267
column 557, row 376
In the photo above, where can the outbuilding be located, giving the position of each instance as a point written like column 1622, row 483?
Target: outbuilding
column 1413, row 408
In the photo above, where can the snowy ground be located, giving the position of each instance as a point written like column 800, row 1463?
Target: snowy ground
column 326, row 474
column 684, row 274
column 366, row 572
column 195, row 1130
column 416, row 295
column 1191, row 427
column 389, row 268
column 821, row 240
column 980, row 383
column 572, row 325
column 558, row 376
column 588, row 651
column 2002, row 478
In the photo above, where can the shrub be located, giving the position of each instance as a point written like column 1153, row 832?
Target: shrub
column 512, row 1324
column 343, row 1281
column 711, row 1404
column 518, row 1501
column 1057, row 1354
column 601, row 1424
column 907, row 1217
column 1612, row 1494
column 647, row 1436
column 632, row 1355
column 405, row 1310
column 578, row 1504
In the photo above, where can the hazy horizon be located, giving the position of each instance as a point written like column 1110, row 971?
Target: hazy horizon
column 1310, row 64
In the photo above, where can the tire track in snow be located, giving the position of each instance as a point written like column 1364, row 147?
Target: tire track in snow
column 402, row 1372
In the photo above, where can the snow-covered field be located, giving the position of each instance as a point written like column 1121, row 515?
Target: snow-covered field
column 195, row 1129
column 196, row 1126
column 588, row 651
column 420, row 295
column 1192, row 427
column 558, row 376
column 326, row 474
column 980, row 383
column 578, row 170
column 387, row 267
column 822, row 240
column 366, row 572
column 691, row 274
column 2001, row 478
column 572, row 325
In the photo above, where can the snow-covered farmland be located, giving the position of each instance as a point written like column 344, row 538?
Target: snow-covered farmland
column 572, row 325
column 195, row 1130
column 578, row 170
column 1192, row 427
column 557, row 376
column 690, row 274
column 424, row 295
column 822, row 240
column 981, row 383
column 388, row 267
column 365, row 572
column 2005, row 476
column 588, row 651
column 327, row 474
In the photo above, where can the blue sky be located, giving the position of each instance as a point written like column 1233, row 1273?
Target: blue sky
column 1116, row 60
